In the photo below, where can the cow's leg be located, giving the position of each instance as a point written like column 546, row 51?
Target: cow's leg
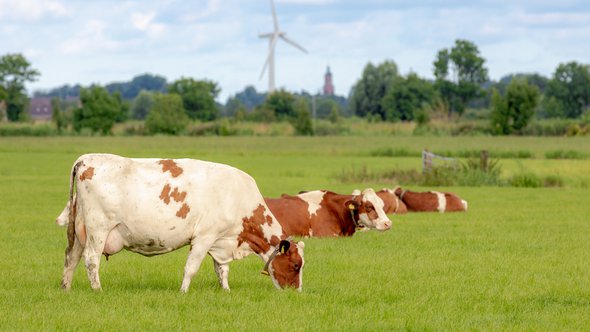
column 73, row 255
column 195, row 257
column 95, row 243
column 222, row 271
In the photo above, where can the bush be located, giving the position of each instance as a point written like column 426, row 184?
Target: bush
column 526, row 180
column 24, row 129
column 167, row 115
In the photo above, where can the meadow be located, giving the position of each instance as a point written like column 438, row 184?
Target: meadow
column 519, row 259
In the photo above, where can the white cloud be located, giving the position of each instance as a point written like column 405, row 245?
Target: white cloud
column 31, row 10
column 89, row 40
column 145, row 22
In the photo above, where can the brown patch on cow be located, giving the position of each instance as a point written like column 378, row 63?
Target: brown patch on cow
column 454, row 203
column 177, row 195
column 420, row 201
column 165, row 194
column 168, row 165
column 252, row 233
column 184, row 210
column 333, row 218
column 87, row 174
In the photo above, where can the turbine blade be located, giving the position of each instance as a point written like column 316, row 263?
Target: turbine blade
column 274, row 16
column 292, row 42
column 271, row 48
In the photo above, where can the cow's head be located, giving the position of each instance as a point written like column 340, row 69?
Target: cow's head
column 369, row 208
column 285, row 265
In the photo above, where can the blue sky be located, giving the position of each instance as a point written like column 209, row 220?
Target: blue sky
column 86, row 41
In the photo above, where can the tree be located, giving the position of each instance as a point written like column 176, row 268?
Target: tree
column 281, row 103
column 367, row 94
column 512, row 113
column 250, row 98
column 15, row 71
column 198, row 98
column 130, row 90
column 459, row 74
column 167, row 115
column 142, row 105
column 406, row 97
column 99, row 110
column 570, row 86
column 302, row 119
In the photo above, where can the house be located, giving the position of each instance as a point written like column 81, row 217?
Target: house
column 40, row 108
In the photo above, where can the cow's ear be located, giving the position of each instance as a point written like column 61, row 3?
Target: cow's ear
column 352, row 205
column 284, row 246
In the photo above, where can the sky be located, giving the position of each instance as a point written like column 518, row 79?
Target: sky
column 100, row 42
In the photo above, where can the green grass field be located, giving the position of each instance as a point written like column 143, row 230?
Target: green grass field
column 519, row 259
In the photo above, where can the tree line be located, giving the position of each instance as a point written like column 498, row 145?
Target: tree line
column 381, row 94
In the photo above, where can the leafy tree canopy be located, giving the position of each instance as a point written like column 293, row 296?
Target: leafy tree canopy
column 15, row 71
column 459, row 74
column 367, row 94
column 198, row 97
column 99, row 110
column 570, row 88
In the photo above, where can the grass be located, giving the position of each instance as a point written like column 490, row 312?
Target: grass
column 518, row 260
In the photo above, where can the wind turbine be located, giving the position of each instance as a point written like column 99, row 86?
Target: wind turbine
column 273, row 37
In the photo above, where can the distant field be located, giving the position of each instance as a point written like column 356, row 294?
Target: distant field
column 518, row 260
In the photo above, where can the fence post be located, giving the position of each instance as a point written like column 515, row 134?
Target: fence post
column 483, row 160
column 426, row 161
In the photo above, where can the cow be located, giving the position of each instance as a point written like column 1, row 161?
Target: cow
column 154, row 206
column 431, row 201
column 321, row 213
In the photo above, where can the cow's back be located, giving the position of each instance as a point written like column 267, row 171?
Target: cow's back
column 160, row 204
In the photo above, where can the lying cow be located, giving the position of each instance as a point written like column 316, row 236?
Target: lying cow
column 431, row 201
column 155, row 206
column 391, row 203
column 324, row 213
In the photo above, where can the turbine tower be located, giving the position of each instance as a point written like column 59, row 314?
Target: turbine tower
column 273, row 37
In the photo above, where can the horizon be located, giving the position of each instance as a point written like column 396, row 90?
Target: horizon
column 80, row 42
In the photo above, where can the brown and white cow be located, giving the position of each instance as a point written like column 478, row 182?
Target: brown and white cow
column 155, row 206
column 325, row 213
column 431, row 201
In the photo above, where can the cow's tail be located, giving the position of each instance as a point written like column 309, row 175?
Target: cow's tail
column 72, row 214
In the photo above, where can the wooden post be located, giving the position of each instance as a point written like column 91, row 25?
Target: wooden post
column 483, row 160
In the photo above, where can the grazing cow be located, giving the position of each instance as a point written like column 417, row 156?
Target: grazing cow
column 431, row 201
column 324, row 213
column 155, row 206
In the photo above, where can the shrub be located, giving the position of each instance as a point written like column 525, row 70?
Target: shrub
column 167, row 115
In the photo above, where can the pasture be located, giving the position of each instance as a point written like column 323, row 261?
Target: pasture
column 519, row 259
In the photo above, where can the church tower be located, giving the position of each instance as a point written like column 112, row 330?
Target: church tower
column 328, row 86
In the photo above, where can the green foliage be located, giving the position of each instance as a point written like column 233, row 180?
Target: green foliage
column 250, row 98
column 368, row 92
column 57, row 116
column 565, row 154
column 198, row 98
column 167, row 115
column 459, row 74
column 15, row 71
column 142, row 105
column 408, row 97
column 302, row 120
column 98, row 112
column 281, row 103
column 513, row 112
column 570, row 86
